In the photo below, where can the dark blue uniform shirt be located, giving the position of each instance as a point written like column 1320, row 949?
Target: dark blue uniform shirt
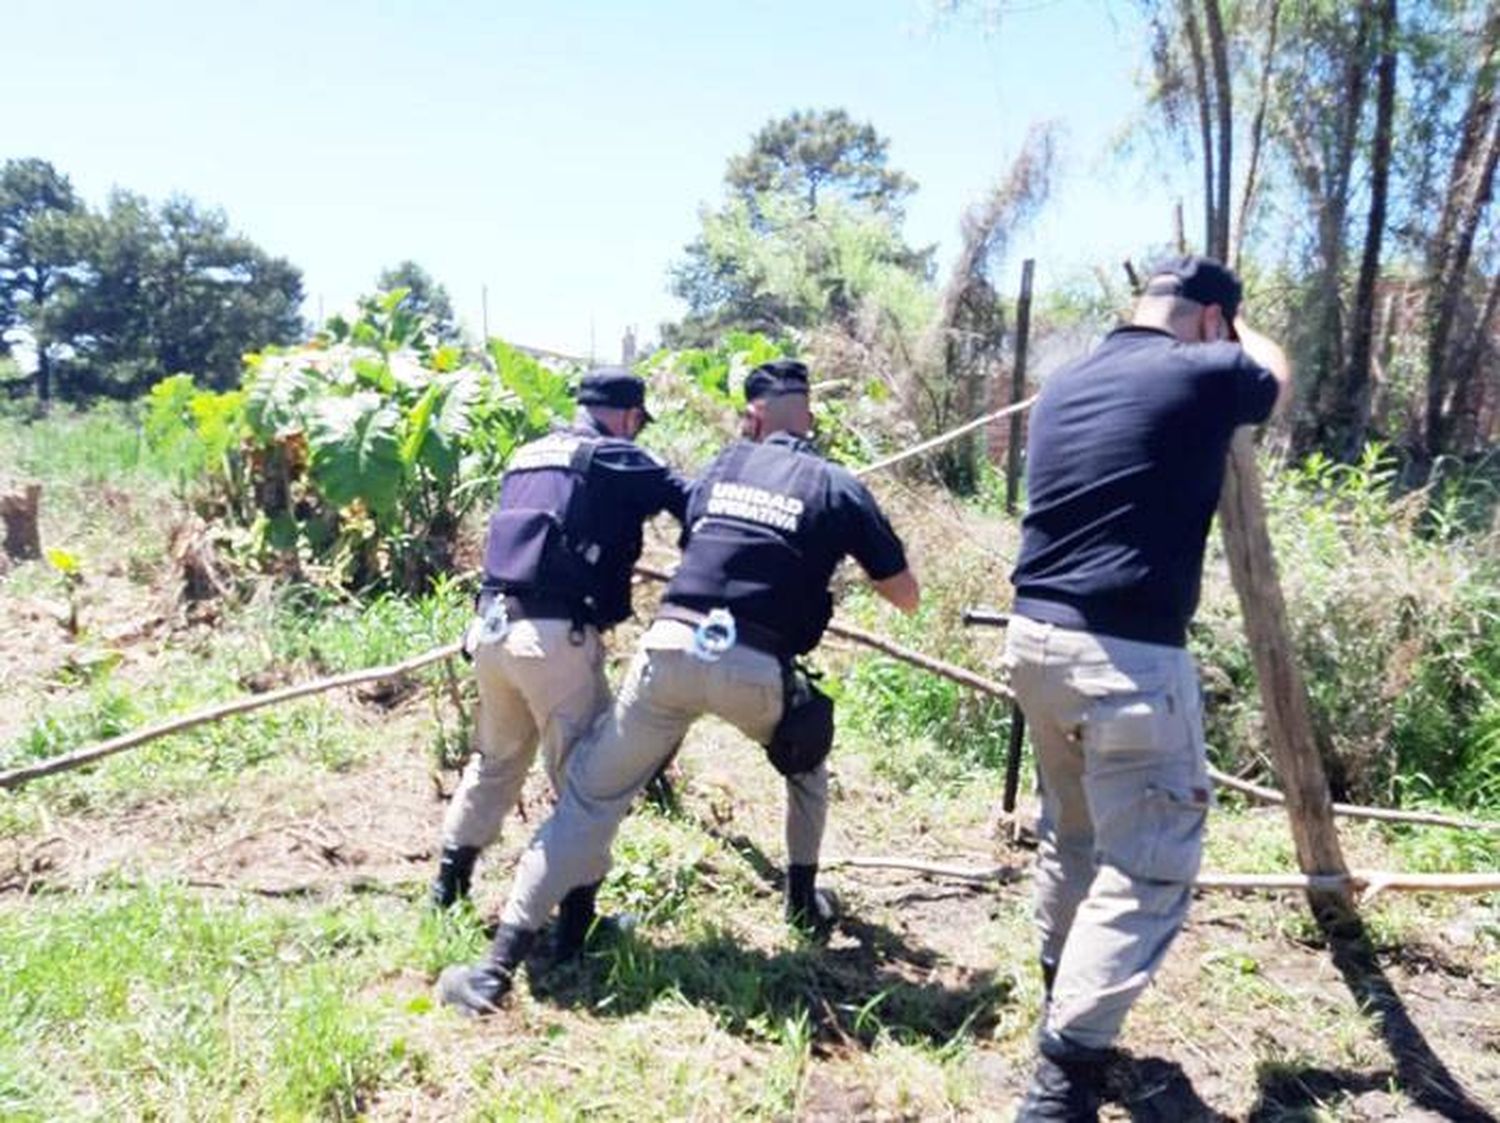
column 766, row 526
column 1125, row 461
column 624, row 487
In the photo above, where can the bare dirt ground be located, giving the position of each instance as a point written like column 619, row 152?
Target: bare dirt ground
column 1252, row 1018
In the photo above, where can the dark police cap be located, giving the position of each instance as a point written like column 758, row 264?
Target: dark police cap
column 1199, row 279
column 780, row 376
column 615, row 387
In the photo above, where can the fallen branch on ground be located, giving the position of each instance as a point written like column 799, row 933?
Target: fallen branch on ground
column 1354, row 810
column 1369, row 882
column 961, row 675
column 15, row 777
column 984, row 875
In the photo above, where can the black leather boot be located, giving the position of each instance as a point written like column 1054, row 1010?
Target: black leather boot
column 579, row 923
column 808, row 908
column 475, row 990
column 455, row 871
column 1067, row 1084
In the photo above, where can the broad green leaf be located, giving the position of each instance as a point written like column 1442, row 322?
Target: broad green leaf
column 356, row 452
column 450, row 426
column 273, row 402
column 419, row 424
column 374, row 373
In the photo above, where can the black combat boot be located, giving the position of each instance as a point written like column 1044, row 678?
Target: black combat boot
column 809, row 909
column 455, row 871
column 1067, row 1083
column 579, row 923
column 476, row 989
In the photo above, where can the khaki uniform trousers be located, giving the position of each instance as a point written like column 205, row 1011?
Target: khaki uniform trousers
column 666, row 689
column 537, row 686
column 1118, row 730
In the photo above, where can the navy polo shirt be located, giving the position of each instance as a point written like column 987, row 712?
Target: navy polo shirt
column 766, row 527
column 1125, row 461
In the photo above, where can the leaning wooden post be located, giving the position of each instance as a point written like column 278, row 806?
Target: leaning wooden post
column 1018, row 388
column 1283, row 692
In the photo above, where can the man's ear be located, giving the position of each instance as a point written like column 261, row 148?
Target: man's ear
column 1216, row 326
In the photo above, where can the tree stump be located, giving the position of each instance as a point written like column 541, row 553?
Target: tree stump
column 18, row 511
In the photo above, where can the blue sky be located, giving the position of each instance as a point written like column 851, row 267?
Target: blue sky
column 558, row 153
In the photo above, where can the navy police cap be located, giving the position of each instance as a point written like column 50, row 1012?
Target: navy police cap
column 614, row 387
column 1199, row 279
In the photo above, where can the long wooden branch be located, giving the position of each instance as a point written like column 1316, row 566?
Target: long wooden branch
column 1354, row 810
column 984, row 685
column 15, row 777
column 961, row 675
column 1368, row 882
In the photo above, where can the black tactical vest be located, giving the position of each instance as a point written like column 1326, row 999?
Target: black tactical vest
column 755, row 542
column 540, row 541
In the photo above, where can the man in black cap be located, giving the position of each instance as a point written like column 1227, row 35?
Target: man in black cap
column 1125, row 461
column 767, row 523
column 562, row 542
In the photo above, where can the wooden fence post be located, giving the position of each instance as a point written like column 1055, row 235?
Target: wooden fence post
column 1283, row 692
column 1018, row 388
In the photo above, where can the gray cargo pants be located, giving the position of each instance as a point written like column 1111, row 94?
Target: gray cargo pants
column 1118, row 730
column 536, row 686
column 666, row 689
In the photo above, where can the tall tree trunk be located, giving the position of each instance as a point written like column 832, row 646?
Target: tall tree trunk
column 1351, row 414
column 1205, row 120
column 43, row 375
column 1257, row 133
column 1467, row 396
column 1469, row 188
column 1218, row 242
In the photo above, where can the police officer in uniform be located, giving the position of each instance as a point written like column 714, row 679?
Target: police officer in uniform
column 1125, row 462
column 767, row 523
column 562, row 542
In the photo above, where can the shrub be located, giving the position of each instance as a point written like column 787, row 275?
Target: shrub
column 1396, row 621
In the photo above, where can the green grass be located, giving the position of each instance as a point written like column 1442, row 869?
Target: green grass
column 151, row 1001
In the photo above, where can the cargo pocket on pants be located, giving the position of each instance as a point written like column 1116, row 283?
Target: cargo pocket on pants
column 1147, row 794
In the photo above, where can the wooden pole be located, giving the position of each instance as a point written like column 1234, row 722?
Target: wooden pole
column 15, row 777
column 1370, row 882
column 1354, row 810
column 1294, row 746
column 1018, row 388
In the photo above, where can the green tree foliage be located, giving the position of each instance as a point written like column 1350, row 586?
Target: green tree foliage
column 172, row 289
column 112, row 301
column 1361, row 144
column 813, row 151
column 810, row 229
column 40, row 242
column 424, row 296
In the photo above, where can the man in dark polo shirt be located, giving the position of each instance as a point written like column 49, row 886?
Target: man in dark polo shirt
column 767, row 523
column 1126, row 458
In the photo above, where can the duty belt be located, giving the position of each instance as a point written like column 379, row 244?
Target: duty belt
column 752, row 635
column 536, row 606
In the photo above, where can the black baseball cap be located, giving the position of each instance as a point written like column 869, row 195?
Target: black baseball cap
column 779, row 376
column 615, row 387
column 1199, row 279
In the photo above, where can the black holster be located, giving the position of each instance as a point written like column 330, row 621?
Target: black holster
column 803, row 737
